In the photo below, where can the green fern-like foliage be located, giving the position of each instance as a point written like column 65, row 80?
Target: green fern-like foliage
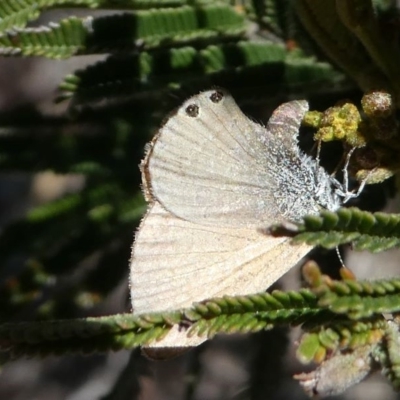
column 365, row 231
column 220, row 315
column 61, row 260
column 335, row 334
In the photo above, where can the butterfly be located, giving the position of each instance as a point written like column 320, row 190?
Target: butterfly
column 214, row 179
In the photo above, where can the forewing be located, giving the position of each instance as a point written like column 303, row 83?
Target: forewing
column 211, row 164
column 176, row 262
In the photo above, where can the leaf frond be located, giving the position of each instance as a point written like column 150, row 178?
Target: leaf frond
column 243, row 64
column 16, row 14
column 140, row 30
column 221, row 315
column 375, row 232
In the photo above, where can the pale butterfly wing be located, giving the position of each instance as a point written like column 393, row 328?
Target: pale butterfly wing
column 211, row 164
column 177, row 262
column 213, row 177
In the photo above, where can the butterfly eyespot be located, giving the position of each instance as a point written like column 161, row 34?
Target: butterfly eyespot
column 216, row 96
column 192, row 110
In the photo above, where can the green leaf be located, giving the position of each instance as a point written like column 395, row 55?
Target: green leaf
column 140, row 29
column 375, row 232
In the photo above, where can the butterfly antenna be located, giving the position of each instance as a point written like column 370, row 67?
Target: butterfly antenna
column 340, row 257
column 317, row 157
column 346, row 174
